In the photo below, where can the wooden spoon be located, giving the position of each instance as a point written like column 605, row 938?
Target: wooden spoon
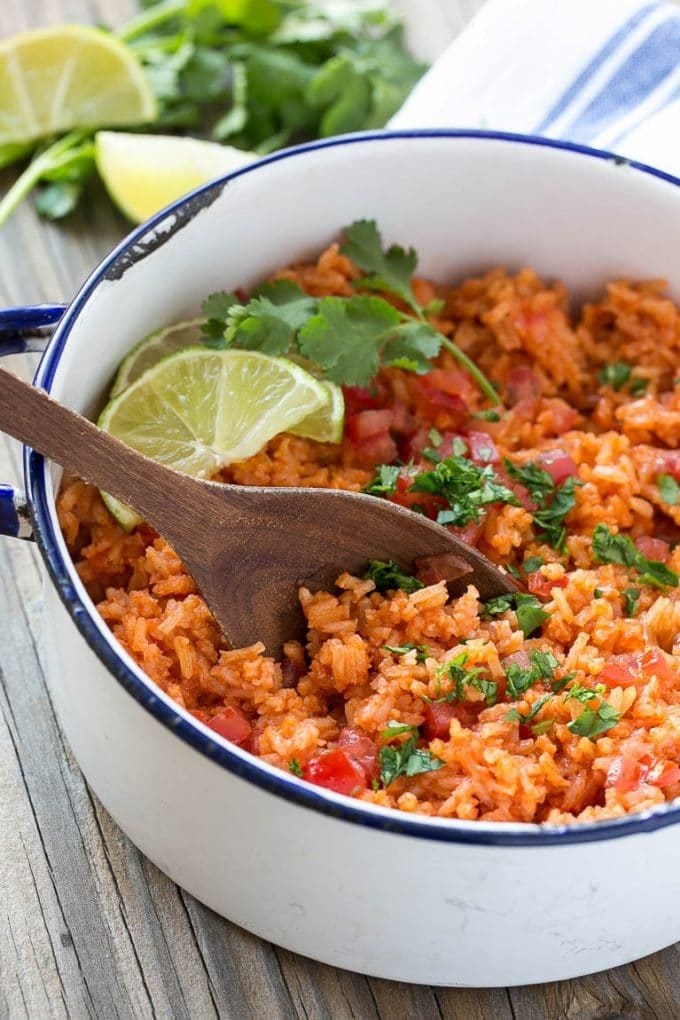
column 247, row 548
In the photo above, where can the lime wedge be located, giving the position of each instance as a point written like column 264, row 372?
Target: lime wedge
column 153, row 348
column 56, row 79
column 143, row 173
column 326, row 424
column 199, row 410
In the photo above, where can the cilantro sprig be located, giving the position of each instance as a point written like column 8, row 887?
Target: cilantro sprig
column 613, row 548
column 404, row 758
column 456, row 672
column 348, row 338
column 593, row 722
column 388, row 576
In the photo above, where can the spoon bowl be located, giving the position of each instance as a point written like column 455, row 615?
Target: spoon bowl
column 248, row 548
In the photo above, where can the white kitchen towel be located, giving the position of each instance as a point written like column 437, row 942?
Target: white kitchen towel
column 605, row 73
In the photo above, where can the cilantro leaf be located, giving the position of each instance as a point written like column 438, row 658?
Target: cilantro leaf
column 388, row 576
column 389, row 270
column 457, row 673
column 592, row 723
column 611, row 548
column 413, row 346
column 553, row 502
column 422, row 651
column 519, row 679
column 465, row 486
column 532, row 564
column 669, row 489
column 527, row 608
column 631, row 597
column 404, row 759
column 516, row 716
column 346, row 335
column 385, row 481
column 270, row 321
column 638, row 386
column 615, row 375
column 216, row 308
column 295, row 767
column 578, row 692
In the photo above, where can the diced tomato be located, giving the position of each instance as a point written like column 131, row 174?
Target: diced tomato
column 231, row 724
column 559, row 465
column 443, row 567
column 439, row 400
column 668, row 463
column 359, row 398
column 403, row 422
column 522, row 384
column 438, row 716
column 446, row 380
column 414, row 445
column 361, row 749
column 519, row 490
column 520, row 659
column 539, row 585
column 620, row 671
column 335, row 770
column 482, row 449
column 199, row 714
column 653, row 662
column 430, row 505
column 471, row 532
column 664, row 773
column 366, row 424
column 625, row 774
column 653, row 548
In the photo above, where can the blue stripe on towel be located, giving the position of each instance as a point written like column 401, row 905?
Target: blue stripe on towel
column 647, row 115
column 644, row 70
column 587, row 73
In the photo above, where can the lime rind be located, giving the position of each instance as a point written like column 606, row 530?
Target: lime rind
column 325, row 425
column 153, row 348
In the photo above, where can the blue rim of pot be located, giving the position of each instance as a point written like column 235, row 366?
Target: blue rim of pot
column 246, row 766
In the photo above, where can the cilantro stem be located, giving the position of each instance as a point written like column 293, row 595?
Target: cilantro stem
column 479, row 377
column 48, row 159
column 150, row 19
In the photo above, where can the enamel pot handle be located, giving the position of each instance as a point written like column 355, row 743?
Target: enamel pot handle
column 23, row 330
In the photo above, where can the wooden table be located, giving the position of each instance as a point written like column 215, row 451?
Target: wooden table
column 88, row 926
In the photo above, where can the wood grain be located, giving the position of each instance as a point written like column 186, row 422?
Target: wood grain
column 88, row 927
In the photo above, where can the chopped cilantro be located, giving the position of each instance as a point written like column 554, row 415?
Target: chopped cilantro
column 669, row 489
column 611, row 548
column 465, row 486
column 527, row 608
column 519, row 679
column 404, row 759
column 387, row 575
column 295, row 767
column 487, row 415
column 598, row 593
column 615, row 375
column 515, row 716
column 638, row 386
column 578, row 692
column 553, row 502
column 631, row 597
column 532, row 563
column 385, row 481
column 457, row 673
column 435, row 437
column 422, row 651
column 593, row 722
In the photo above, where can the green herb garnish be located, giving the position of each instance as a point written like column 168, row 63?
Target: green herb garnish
column 527, row 608
column 631, row 597
column 615, row 375
column 638, row 386
column 519, row 679
column 598, row 593
column 388, row 576
column 295, row 767
column 532, row 564
column 669, row 489
column 593, row 722
column 611, row 548
column 465, row 486
column 515, row 716
column 578, row 692
column 404, row 759
column 385, row 481
column 422, row 651
column 488, row 415
column 553, row 502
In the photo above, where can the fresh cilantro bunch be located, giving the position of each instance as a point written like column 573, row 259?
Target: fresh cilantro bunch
column 611, row 548
column 258, row 74
column 347, row 338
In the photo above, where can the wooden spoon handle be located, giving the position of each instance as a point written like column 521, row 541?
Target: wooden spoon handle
column 34, row 418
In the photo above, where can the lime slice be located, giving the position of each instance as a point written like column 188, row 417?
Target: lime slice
column 153, row 348
column 143, row 173
column 57, row 79
column 326, row 424
column 199, row 410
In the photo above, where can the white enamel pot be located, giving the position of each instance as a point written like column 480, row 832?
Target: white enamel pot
column 380, row 892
